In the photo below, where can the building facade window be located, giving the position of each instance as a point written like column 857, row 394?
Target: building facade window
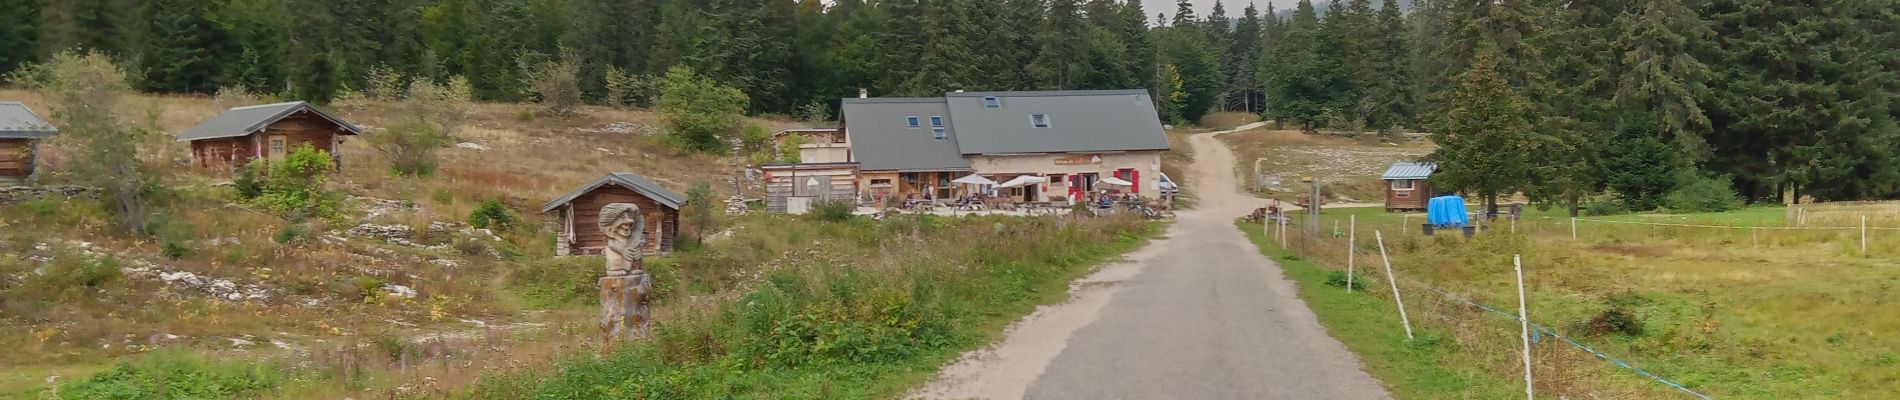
column 912, row 121
column 1402, row 184
column 936, row 120
column 992, row 102
column 1039, row 120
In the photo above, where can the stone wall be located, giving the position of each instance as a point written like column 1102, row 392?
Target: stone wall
column 22, row 194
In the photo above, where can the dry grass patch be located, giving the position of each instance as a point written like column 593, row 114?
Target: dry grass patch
column 1350, row 166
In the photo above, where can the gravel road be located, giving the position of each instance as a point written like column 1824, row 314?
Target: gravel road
column 1199, row 314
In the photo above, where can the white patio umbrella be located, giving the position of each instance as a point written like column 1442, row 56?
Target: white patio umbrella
column 974, row 179
column 1115, row 181
column 1023, row 180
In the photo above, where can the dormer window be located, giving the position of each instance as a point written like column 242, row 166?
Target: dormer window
column 912, row 121
column 1039, row 120
column 936, row 121
column 992, row 102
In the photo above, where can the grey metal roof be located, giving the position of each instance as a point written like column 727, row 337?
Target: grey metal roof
column 1409, row 170
column 1079, row 121
column 637, row 183
column 19, row 122
column 242, row 121
column 882, row 140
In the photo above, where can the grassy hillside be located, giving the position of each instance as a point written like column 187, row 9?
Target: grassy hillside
column 395, row 278
column 1776, row 312
column 1350, row 166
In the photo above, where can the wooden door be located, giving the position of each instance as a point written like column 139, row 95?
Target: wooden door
column 278, row 145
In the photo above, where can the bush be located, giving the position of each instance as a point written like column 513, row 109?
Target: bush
column 249, row 181
column 71, row 271
column 295, row 186
column 699, row 113
column 1703, row 193
column 832, row 210
column 1617, row 316
column 1601, row 208
column 177, row 374
column 491, row 214
column 410, row 145
column 556, row 84
column 1338, row 279
column 290, row 234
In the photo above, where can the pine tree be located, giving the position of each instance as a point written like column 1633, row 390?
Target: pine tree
column 1483, row 133
column 19, row 34
column 1391, row 94
column 179, row 49
column 753, row 55
column 1062, row 60
column 1661, row 77
column 1185, row 48
column 1302, row 77
column 1359, row 53
column 947, row 63
column 609, row 33
column 1243, row 54
column 1219, row 37
column 1131, row 23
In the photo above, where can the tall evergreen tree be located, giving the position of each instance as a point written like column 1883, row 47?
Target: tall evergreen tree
column 609, row 33
column 1359, row 54
column 947, row 63
column 1062, row 59
column 1243, row 55
column 1391, row 94
column 1131, row 23
column 753, row 55
column 180, row 53
column 1483, row 133
column 19, row 34
column 1303, row 78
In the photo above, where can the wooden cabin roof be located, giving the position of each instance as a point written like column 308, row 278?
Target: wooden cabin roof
column 638, row 184
column 246, row 120
column 19, row 122
column 1409, row 170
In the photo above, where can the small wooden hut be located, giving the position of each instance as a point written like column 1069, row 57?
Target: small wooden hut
column 1406, row 188
column 269, row 131
column 20, row 134
column 580, row 213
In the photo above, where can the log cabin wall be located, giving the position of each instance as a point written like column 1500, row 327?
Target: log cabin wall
column 16, row 160
column 223, row 154
column 662, row 222
column 304, row 128
column 1407, row 199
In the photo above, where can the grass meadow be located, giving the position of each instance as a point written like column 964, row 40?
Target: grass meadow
column 1760, row 303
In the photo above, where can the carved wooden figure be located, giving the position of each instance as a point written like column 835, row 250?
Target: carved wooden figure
column 623, row 292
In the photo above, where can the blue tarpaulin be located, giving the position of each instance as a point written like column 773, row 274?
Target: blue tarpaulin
column 1447, row 211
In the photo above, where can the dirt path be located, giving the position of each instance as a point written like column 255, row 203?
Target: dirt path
column 1199, row 314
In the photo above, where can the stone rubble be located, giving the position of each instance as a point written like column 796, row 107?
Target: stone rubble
column 374, row 208
column 395, row 290
column 736, row 206
column 21, row 194
column 471, row 146
column 138, row 268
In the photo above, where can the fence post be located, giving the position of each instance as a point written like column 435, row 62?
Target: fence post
column 1405, row 223
column 1863, row 235
column 1524, row 326
column 1513, row 226
column 1394, row 280
column 1573, row 228
column 1352, row 247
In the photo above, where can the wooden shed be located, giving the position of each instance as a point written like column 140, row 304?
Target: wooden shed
column 794, row 188
column 269, row 131
column 1406, row 188
column 20, row 134
column 580, row 213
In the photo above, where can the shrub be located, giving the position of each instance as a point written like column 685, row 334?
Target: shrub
column 524, row 115
column 71, row 271
column 442, row 196
column 699, row 113
column 555, row 83
column 290, row 234
column 471, row 247
column 832, row 210
column 491, row 214
column 701, row 213
column 1600, row 208
column 410, row 144
column 249, row 181
column 1703, row 193
column 295, row 185
column 1338, row 279
column 1617, row 316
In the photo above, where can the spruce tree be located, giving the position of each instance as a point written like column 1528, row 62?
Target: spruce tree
column 1484, row 132
column 178, row 53
column 1359, row 54
column 19, row 34
column 1243, row 54
column 1303, row 81
column 609, row 33
column 1131, row 23
column 1063, row 48
column 947, row 63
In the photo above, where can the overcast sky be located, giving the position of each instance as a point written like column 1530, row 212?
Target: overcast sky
column 1202, row 7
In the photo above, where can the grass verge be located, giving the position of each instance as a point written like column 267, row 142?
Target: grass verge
column 924, row 290
column 1426, row 367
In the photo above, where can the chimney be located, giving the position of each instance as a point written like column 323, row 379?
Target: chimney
column 864, row 93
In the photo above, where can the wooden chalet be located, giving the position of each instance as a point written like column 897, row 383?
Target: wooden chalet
column 269, row 131
column 1406, row 188
column 20, row 134
column 580, row 213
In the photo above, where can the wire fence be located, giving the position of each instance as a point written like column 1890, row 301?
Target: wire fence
column 1329, row 243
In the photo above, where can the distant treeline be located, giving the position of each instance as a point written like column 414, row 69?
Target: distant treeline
column 1631, row 97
